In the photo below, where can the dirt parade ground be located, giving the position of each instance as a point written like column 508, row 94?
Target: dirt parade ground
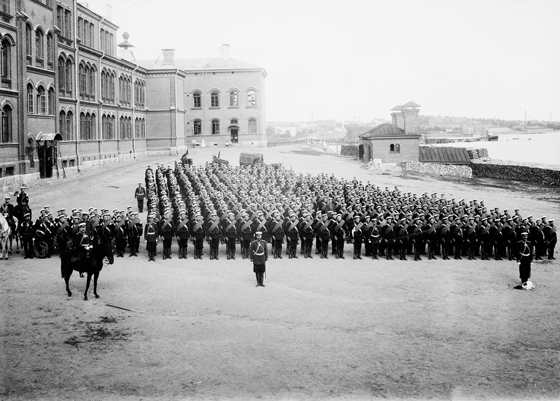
column 320, row 329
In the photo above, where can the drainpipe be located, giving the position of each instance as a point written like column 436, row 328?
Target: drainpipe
column 133, row 114
column 77, row 86
column 100, row 102
column 176, row 111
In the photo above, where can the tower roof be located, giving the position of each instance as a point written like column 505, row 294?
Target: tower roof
column 411, row 104
column 397, row 108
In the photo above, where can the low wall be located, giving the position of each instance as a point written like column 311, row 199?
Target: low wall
column 534, row 175
column 447, row 170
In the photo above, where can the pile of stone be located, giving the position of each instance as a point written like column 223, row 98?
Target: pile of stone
column 447, row 170
column 533, row 175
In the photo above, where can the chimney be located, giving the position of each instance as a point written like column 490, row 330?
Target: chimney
column 124, row 48
column 108, row 12
column 224, row 52
column 410, row 113
column 168, row 57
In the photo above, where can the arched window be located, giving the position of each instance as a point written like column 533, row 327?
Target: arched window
column 28, row 43
column 52, row 100
column 197, row 127
column 30, row 106
column 82, row 126
column 397, row 148
column 215, row 127
column 251, row 98
column 6, row 64
column 61, row 76
column 122, row 128
column 83, row 80
column 215, row 99
column 39, row 55
column 233, row 99
column 252, row 126
column 143, row 128
column 91, row 82
column 196, row 99
column 93, row 127
column 6, row 136
column 234, row 121
column 392, row 148
column 69, row 126
column 69, row 81
column 41, row 101
column 129, row 128
column 62, row 125
column 50, row 51
column 112, row 88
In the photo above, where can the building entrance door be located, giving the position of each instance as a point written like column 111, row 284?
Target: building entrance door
column 45, row 160
column 234, row 136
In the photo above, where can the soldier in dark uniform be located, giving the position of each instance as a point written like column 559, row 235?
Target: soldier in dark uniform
column 26, row 232
column 22, row 196
column 550, row 238
column 245, row 235
column 357, row 236
column 63, row 233
column 135, row 231
column 430, row 230
column 277, row 234
column 259, row 255
column 167, row 231
column 214, row 234
column 470, row 238
column 151, row 234
column 338, row 233
column 292, row 235
column 366, row 231
column 230, row 234
column 43, row 230
column 524, row 257
column 484, row 239
column 388, row 236
column 139, row 194
column 198, row 233
column 417, row 239
column 82, row 244
column 375, row 238
column 306, row 229
column 324, row 236
column 121, row 233
column 458, row 237
column 182, row 233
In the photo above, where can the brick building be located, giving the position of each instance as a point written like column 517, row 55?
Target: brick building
column 397, row 142
column 71, row 96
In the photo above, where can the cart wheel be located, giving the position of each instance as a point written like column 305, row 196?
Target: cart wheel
column 41, row 249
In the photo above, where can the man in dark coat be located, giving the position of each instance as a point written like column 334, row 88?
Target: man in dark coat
column 524, row 257
column 259, row 255
column 139, row 194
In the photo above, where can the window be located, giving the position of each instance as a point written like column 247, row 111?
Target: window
column 5, row 6
column 143, row 128
column 41, row 101
column 6, row 125
column 215, row 99
column 39, row 55
column 81, row 29
column 252, row 126
column 68, row 79
column 30, row 107
column 197, row 127
column 52, row 100
column 50, row 51
column 196, row 99
column 233, row 99
column 392, row 148
column 83, row 80
column 215, row 127
column 70, row 126
column 67, row 24
column 61, row 76
column 251, row 98
column 5, row 65
column 28, row 43
column 234, row 121
column 62, row 124
column 91, row 83
column 397, row 148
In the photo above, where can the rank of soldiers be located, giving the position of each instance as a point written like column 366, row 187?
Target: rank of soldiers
column 299, row 214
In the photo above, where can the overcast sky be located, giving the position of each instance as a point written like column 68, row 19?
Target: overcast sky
column 357, row 59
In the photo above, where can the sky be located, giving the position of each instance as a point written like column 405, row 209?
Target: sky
column 357, row 59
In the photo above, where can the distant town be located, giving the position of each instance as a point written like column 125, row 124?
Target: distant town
column 433, row 129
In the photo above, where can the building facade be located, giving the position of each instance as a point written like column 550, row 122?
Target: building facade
column 398, row 142
column 70, row 96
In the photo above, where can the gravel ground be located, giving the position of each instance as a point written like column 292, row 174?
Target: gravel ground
column 321, row 329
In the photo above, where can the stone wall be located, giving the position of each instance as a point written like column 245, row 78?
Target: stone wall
column 534, row 175
column 447, row 170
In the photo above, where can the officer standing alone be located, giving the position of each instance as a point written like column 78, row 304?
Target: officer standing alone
column 259, row 256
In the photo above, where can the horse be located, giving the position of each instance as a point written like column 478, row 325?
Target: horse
column 5, row 233
column 15, row 234
column 92, row 265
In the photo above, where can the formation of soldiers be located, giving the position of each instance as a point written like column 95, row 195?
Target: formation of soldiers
column 221, row 204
